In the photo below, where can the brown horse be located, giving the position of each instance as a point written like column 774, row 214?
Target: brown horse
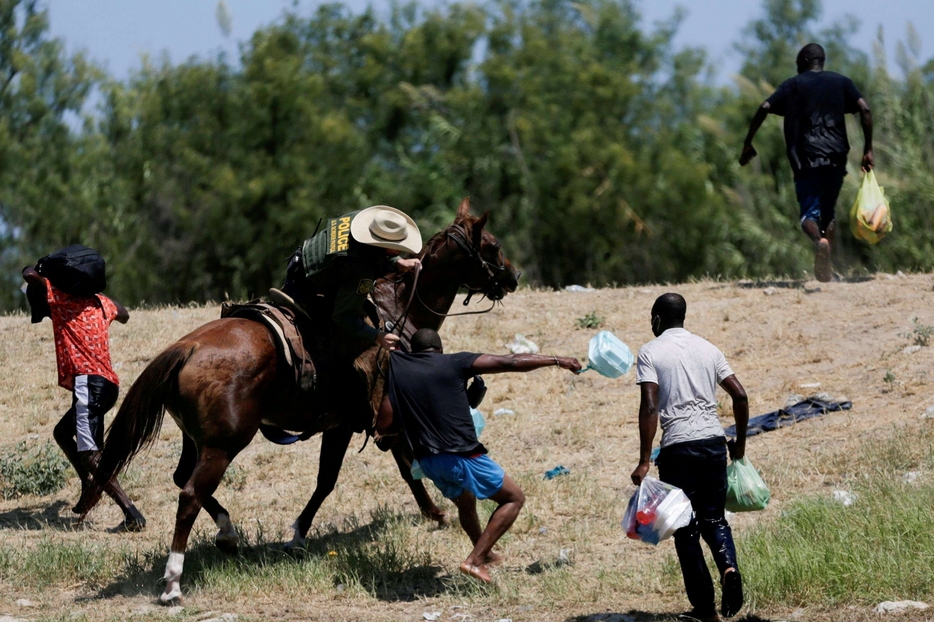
column 224, row 379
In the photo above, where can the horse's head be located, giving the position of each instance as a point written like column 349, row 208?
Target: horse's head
column 485, row 270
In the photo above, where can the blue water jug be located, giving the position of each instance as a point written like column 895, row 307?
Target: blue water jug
column 478, row 422
column 416, row 470
column 608, row 356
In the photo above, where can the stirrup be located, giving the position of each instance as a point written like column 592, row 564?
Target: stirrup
column 280, row 298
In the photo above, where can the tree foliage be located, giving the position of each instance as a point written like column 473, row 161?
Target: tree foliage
column 605, row 154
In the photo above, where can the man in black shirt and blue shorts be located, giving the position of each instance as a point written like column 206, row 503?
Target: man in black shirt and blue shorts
column 815, row 104
column 428, row 396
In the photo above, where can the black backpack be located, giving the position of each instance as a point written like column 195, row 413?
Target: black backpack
column 76, row 270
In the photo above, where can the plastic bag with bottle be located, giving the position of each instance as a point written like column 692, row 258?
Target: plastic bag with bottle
column 870, row 216
column 656, row 511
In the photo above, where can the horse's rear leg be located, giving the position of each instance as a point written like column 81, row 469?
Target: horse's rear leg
column 226, row 539
column 204, row 480
column 334, row 443
column 404, row 456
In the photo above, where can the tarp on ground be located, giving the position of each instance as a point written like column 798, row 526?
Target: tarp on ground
column 805, row 409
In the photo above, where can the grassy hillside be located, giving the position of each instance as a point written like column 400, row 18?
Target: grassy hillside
column 374, row 558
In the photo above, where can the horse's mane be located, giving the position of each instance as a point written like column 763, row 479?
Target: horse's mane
column 429, row 246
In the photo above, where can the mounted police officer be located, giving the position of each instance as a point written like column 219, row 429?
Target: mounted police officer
column 334, row 271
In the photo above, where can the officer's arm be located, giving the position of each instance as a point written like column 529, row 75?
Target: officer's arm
column 350, row 308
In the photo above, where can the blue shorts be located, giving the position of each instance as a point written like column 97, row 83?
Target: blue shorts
column 817, row 190
column 453, row 475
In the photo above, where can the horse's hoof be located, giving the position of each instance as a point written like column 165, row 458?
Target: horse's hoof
column 228, row 547
column 171, row 598
column 296, row 545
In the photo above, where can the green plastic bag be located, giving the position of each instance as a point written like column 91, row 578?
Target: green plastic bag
column 870, row 216
column 745, row 489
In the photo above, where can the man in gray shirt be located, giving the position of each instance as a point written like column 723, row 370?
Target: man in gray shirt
column 678, row 374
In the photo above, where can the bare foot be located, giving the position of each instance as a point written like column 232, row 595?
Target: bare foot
column 477, row 572
column 494, row 559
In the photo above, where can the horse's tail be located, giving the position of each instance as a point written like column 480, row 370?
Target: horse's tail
column 139, row 418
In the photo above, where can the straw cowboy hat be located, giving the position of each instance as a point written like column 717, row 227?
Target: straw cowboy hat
column 386, row 227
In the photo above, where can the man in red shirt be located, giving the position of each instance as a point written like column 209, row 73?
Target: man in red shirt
column 82, row 350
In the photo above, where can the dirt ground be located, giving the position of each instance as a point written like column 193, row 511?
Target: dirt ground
column 781, row 338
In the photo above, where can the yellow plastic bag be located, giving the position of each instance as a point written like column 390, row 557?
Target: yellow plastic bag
column 870, row 216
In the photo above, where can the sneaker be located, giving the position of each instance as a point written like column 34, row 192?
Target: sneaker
column 823, row 270
column 732, row 594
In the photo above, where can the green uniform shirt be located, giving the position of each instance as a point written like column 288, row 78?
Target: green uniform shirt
column 343, row 270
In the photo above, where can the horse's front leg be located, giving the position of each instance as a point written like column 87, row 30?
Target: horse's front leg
column 404, row 456
column 334, row 443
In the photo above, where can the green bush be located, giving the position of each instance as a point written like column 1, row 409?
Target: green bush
column 591, row 320
column 39, row 470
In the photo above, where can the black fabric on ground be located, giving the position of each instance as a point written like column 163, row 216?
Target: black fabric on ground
column 805, row 409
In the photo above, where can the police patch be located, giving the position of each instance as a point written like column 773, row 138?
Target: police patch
column 365, row 286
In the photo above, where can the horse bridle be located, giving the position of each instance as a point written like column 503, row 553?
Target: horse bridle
column 459, row 237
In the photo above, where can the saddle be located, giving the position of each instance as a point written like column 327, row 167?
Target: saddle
column 282, row 318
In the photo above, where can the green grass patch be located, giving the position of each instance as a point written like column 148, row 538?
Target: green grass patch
column 820, row 552
column 38, row 470
column 55, row 563
column 384, row 558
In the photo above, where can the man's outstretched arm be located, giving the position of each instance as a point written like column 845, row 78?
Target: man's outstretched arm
column 749, row 152
column 865, row 119
column 740, row 412
column 498, row 364
column 648, row 423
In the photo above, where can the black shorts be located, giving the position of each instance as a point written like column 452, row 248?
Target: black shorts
column 93, row 397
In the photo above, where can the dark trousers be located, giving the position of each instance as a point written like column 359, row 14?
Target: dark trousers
column 817, row 190
column 699, row 469
column 92, row 398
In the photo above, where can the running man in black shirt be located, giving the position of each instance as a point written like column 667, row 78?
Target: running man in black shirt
column 814, row 104
column 428, row 395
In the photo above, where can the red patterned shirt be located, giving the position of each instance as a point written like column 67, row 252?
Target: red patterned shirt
column 79, row 324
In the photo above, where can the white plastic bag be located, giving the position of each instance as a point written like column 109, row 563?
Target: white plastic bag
column 523, row 345
column 656, row 511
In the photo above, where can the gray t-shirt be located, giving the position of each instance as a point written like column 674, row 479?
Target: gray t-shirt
column 687, row 370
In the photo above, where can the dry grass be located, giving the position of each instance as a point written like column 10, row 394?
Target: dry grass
column 847, row 336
